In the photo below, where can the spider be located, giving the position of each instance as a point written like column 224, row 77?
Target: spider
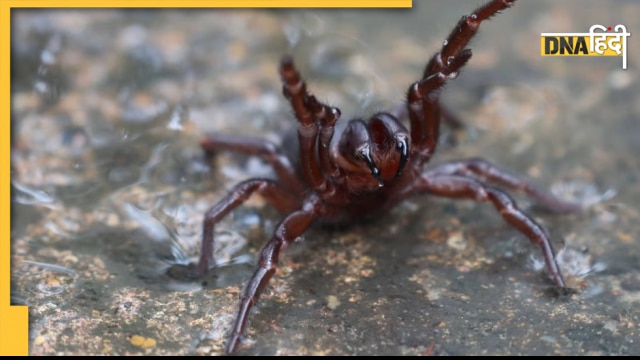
column 367, row 168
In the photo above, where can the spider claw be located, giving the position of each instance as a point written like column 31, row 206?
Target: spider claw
column 365, row 154
column 403, row 147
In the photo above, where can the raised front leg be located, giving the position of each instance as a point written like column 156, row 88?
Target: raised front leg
column 463, row 33
column 278, row 196
column 423, row 103
column 295, row 90
column 453, row 186
column 328, row 116
column 447, row 116
column 287, row 231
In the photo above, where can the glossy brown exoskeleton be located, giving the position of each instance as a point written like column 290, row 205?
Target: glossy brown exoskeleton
column 368, row 167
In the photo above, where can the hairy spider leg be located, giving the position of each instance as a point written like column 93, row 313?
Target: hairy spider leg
column 489, row 172
column 455, row 186
column 295, row 90
column 424, row 112
column 328, row 116
column 447, row 116
column 280, row 197
column 463, row 33
column 267, row 150
column 286, row 232
column 425, row 128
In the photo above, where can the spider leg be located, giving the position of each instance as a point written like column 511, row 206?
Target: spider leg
column 295, row 90
column 267, row 150
column 327, row 116
column 424, row 109
column 489, row 172
column 286, row 232
column 425, row 114
column 448, row 117
column 277, row 195
column 463, row 33
column 454, row 186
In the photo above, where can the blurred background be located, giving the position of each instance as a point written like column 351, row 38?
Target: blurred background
column 109, row 185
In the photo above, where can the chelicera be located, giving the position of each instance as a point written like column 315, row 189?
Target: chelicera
column 368, row 167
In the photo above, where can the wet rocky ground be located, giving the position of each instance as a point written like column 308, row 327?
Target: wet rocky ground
column 109, row 184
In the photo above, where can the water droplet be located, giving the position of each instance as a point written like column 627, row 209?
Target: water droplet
column 47, row 57
column 177, row 117
column 450, row 60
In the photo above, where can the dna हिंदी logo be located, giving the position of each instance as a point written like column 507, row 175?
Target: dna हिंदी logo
column 599, row 41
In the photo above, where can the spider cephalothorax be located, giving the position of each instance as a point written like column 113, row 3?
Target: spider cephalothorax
column 368, row 166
